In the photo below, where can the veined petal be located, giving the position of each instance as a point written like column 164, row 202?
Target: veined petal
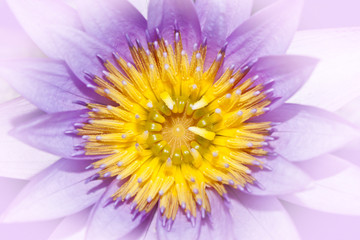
column 165, row 15
column 80, row 51
column 283, row 178
column 18, row 159
column 289, row 73
column 50, row 85
column 72, row 227
column 107, row 222
column 47, row 132
column 219, row 18
column 39, row 17
column 336, row 194
column 306, row 132
column 58, row 191
column 334, row 83
column 110, row 20
column 268, row 32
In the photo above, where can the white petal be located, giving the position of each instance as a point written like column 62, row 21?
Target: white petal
column 335, row 81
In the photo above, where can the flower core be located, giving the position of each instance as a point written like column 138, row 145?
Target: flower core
column 175, row 128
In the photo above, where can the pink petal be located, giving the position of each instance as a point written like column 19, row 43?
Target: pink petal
column 288, row 74
column 110, row 20
column 50, row 85
column 283, row 178
column 18, row 159
column 218, row 19
column 47, row 132
column 107, row 222
column 72, row 227
column 307, row 132
column 336, row 194
column 335, row 80
column 58, row 191
column 267, row 32
column 39, row 17
column 163, row 14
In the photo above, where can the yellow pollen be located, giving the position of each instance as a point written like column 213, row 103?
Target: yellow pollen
column 172, row 131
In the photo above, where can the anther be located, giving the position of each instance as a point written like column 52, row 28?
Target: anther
column 98, row 138
column 223, row 49
column 161, row 192
column 107, row 91
column 166, row 66
column 254, row 110
column 165, row 54
column 89, row 167
column 89, row 76
column 90, row 86
column 109, row 107
column 195, row 46
column 149, row 199
column 270, row 90
column 231, row 182
column 199, row 201
column 226, row 165
column 177, row 37
column 139, row 180
column 218, row 57
column 100, row 59
column 162, row 209
column 106, row 175
column 119, row 164
column 198, row 69
column 192, row 179
column 195, row 190
column 198, row 55
column 239, row 113
column 249, row 144
column 183, row 205
column 123, row 136
column 103, row 166
column 219, row 178
column 151, row 66
column 85, row 137
column 256, row 93
column 218, row 110
column 255, row 77
column 228, row 95
column 183, row 52
column 194, row 86
column 232, row 80
column 266, row 109
column 127, row 197
column 238, row 92
column 82, row 103
column 128, row 40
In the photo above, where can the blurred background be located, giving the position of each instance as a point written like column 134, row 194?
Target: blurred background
column 15, row 44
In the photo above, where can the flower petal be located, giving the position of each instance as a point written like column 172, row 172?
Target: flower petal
column 164, row 14
column 19, row 160
column 141, row 6
column 39, row 17
column 267, row 32
column 283, row 178
column 72, row 227
column 335, row 80
column 50, row 85
column 107, row 222
column 307, row 132
column 58, row 191
column 218, row 19
column 80, row 51
column 110, row 20
column 288, row 72
column 181, row 228
column 47, row 132
column 336, row 194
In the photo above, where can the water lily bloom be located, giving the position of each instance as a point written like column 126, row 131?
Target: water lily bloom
column 173, row 126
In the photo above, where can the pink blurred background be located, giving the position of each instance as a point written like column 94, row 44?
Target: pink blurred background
column 311, row 224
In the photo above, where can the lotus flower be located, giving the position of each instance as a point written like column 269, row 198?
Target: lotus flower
column 171, row 127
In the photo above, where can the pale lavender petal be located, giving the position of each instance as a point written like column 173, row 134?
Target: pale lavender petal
column 335, row 80
column 47, row 132
column 350, row 151
column 50, row 85
column 141, row 6
column 18, row 159
column 336, row 194
column 182, row 228
column 218, row 19
column 165, row 15
column 81, row 52
column 261, row 218
column 282, row 178
column 39, row 17
column 107, row 222
column 110, row 20
column 307, row 132
column 268, row 32
column 288, row 74
column 72, row 227
column 58, row 191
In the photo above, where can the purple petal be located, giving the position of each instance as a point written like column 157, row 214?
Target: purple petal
column 350, row 151
column 72, row 227
column 164, row 14
column 19, row 160
column 58, row 191
column 261, row 218
column 81, row 51
column 39, row 17
column 181, row 228
column 283, row 178
column 288, row 74
column 50, row 85
column 307, row 132
column 268, row 32
column 107, row 222
column 110, row 20
column 218, row 19
column 336, row 194
column 47, row 132
column 339, row 52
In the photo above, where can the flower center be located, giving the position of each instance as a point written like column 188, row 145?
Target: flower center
column 172, row 130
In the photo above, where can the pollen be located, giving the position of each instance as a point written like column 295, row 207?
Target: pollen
column 174, row 127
